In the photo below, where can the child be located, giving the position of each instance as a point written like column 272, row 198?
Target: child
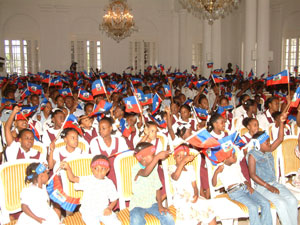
column 265, row 119
column 251, row 110
column 146, row 187
column 189, row 209
column 262, row 172
column 253, row 127
column 239, row 189
column 99, row 192
column 274, row 127
column 70, row 136
column 35, row 199
column 89, row 132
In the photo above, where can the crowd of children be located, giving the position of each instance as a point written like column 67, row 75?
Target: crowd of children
column 153, row 114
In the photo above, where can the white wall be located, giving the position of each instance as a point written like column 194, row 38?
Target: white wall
column 55, row 23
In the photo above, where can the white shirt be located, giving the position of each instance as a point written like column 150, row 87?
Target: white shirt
column 263, row 121
column 46, row 139
column 239, row 111
column 96, row 194
column 64, row 153
column 37, row 200
column 99, row 141
column 13, row 149
column 231, row 175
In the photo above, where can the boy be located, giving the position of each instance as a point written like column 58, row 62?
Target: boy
column 146, row 187
column 98, row 191
column 239, row 189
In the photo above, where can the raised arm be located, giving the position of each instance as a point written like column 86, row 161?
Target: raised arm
column 169, row 123
column 70, row 174
column 177, row 173
column 279, row 140
column 7, row 128
column 215, row 176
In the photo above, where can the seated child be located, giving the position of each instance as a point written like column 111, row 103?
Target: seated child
column 89, row 132
column 262, row 172
column 146, row 187
column 189, row 208
column 239, row 189
column 99, row 192
column 35, row 199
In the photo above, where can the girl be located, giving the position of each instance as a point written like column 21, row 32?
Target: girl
column 175, row 107
column 185, row 119
column 250, row 107
column 44, row 117
column 229, row 116
column 108, row 144
column 240, row 110
column 35, row 199
column 57, row 118
column 274, row 127
column 70, row 136
column 262, row 172
column 133, row 139
column 89, row 132
column 253, row 127
column 265, row 119
column 189, row 208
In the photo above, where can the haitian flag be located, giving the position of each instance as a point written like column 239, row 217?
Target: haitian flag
column 131, row 104
column 27, row 111
column 56, row 82
column 44, row 103
column 103, row 75
column 210, row 65
column 291, row 119
column 156, row 103
column 35, row 132
column 35, row 88
column 280, row 95
column 72, row 122
column 160, row 123
column 118, row 88
column 279, row 78
column 147, row 100
column 200, row 83
column 218, row 79
column 218, row 71
column 203, row 139
column 188, row 102
column 56, row 194
column 194, row 68
column 296, row 98
column 224, row 150
column 228, row 95
column 65, row 92
column 98, row 87
column 162, row 68
column 251, row 76
column 125, row 128
column 85, row 95
column 201, row 113
column 136, row 80
column 102, row 107
column 45, row 78
column 2, row 81
column 5, row 101
column 113, row 84
column 167, row 89
column 25, row 94
column 222, row 110
column 139, row 94
column 239, row 142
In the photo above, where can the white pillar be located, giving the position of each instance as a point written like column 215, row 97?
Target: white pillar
column 250, row 35
column 182, row 39
column 207, row 50
column 216, row 43
column 263, row 33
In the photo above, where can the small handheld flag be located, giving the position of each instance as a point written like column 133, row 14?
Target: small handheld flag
column 34, row 88
column 98, row 87
column 203, row 139
column 156, row 103
column 131, row 104
column 210, row 65
column 125, row 128
column 102, row 107
column 65, row 92
column 72, row 122
column 296, row 98
column 85, row 95
column 280, row 78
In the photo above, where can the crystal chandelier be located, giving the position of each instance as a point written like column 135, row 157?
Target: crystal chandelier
column 118, row 23
column 209, row 9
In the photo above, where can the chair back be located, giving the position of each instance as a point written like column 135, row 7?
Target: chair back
column 123, row 169
column 12, row 181
column 80, row 167
column 196, row 163
column 82, row 144
column 211, row 170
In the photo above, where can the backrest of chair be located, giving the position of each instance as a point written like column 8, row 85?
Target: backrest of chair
column 82, row 144
column 163, row 140
column 211, row 170
column 196, row 163
column 290, row 163
column 123, row 169
column 12, row 181
column 80, row 167
column 243, row 131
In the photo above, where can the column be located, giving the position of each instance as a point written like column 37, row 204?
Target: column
column 207, row 54
column 263, row 33
column 216, row 43
column 250, row 35
column 182, row 39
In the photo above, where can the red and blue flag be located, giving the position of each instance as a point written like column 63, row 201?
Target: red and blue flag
column 200, row 83
column 160, row 123
column 147, row 100
column 131, row 104
column 56, row 82
column 85, row 95
column 167, row 89
column 156, row 103
column 35, row 88
column 203, row 139
column 296, row 98
column 201, row 113
column 218, row 79
column 98, row 87
column 125, row 128
column 25, row 94
column 72, row 122
column 9, row 103
column 279, row 78
column 65, row 92
column 102, row 107
column 210, row 65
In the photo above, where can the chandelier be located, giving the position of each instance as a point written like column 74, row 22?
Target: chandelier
column 210, row 9
column 118, row 23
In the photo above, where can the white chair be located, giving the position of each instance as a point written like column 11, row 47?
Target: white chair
column 12, row 181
